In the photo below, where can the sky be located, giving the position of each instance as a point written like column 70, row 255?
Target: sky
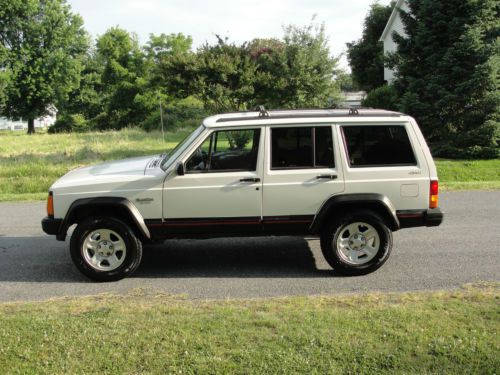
column 239, row 20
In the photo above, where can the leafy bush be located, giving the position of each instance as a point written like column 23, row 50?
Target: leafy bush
column 70, row 123
column 384, row 97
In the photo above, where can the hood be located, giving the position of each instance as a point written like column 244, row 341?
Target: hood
column 109, row 172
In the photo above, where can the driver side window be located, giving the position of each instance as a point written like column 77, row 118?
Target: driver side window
column 226, row 151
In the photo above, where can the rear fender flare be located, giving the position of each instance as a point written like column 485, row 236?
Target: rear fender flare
column 378, row 202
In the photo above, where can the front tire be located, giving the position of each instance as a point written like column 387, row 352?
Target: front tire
column 357, row 243
column 105, row 249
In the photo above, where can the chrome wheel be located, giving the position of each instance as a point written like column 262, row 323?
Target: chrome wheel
column 104, row 250
column 358, row 243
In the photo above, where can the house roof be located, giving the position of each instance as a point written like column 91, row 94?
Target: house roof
column 392, row 17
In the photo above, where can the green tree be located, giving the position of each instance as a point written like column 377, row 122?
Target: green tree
column 366, row 56
column 298, row 71
column 447, row 70
column 88, row 98
column 161, row 46
column 225, row 76
column 220, row 75
column 42, row 44
column 124, row 78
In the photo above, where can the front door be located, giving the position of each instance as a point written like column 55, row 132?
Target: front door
column 221, row 190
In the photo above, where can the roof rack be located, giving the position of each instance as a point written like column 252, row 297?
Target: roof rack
column 311, row 113
column 262, row 111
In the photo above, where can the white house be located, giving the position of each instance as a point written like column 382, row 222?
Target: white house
column 394, row 24
column 352, row 99
column 22, row 124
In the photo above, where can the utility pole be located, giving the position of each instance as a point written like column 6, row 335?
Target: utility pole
column 161, row 120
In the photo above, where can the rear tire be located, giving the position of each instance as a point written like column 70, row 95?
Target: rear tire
column 357, row 243
column 105, row 249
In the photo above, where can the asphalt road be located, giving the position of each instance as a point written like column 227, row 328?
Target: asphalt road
column 464, row 249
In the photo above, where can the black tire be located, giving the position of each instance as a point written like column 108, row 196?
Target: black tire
column 333, row 229
column 133, row 245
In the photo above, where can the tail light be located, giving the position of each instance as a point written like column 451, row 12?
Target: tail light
column 50, row 205
column 433, row 194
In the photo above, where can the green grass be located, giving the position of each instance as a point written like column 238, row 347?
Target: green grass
column 469, row 174
column 30, row 164
column 432, row 332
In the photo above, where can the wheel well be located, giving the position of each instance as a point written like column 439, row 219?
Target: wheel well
column 105, row 210
column 340, row 209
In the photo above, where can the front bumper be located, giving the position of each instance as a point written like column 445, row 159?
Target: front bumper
column 51, row 226
column 420, row 218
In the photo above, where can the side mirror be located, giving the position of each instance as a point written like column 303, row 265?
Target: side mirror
column 180, row 169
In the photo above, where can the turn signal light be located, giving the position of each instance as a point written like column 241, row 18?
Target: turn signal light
column 433, row 195
column 50, row 205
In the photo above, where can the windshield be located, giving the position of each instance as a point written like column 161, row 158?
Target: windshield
column 172, row 155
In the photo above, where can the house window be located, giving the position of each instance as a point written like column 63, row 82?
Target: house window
column 302, row 147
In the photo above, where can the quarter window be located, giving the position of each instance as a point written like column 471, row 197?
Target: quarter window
column 373, row 146
column 226, row 151
column 302, row 147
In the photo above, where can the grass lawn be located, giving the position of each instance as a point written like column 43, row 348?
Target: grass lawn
column 426, row 332
column 30, row 164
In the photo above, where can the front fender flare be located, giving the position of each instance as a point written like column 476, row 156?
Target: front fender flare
column 101, row 202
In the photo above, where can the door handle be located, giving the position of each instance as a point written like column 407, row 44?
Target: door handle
column 327, row 177
column 251, row 179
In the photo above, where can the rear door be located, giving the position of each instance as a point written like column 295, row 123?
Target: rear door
column 302, row 170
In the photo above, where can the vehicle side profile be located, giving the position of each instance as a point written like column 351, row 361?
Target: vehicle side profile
column 349, row 177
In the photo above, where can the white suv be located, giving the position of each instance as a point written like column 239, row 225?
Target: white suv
column 349, row 177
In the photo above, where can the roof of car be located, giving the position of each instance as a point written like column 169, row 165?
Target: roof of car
column 296, row 115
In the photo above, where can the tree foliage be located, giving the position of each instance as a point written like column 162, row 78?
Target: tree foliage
column 46, row 61
column 385, row 97
column 447, row 70
column 42, row 44
column 299, row 72
column 296, row 71
column 366, row 56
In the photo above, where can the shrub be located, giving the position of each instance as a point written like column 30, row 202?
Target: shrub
column 384, row 97
column 70, row 123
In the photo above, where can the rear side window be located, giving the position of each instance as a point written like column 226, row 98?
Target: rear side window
column 375, row 146
column 302, row 147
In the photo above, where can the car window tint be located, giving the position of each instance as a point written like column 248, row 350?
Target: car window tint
column 324, row 147
column 371, row 146
column 226, row 150
column 302, row 147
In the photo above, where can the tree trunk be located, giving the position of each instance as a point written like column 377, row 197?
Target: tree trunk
column 31, row 126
